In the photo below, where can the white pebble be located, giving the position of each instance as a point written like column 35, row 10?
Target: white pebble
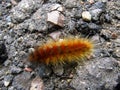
column 86, row 16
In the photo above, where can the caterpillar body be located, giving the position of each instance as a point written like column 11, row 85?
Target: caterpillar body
column 70, row 49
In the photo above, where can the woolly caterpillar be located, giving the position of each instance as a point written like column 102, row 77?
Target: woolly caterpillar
column 70, row 49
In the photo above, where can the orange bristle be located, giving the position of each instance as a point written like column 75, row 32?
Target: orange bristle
column 63, row 50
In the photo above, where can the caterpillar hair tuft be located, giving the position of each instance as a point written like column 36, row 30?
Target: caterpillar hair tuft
column 70, row 49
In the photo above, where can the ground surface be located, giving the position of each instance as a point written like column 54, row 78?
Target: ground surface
column 25, row 24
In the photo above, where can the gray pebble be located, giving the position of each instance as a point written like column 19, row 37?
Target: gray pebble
column 71, row 25
column 95, row 14
column 108, row 18
column 49, row 85
column 7, row 63
column 8, row 39
column 118, row 15
column 7, row 80
column 58, row 70
column 8, row 18
column 93, row 26
column 106, row 34
column 44, row 71
column 97, row 53
column 98, row 5
column 70, row 3
column 11, row 88
column 15, row 70
column 21, row 65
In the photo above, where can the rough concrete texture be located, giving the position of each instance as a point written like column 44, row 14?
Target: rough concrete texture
column 25, row 24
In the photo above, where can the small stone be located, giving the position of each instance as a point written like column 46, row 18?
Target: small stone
column 106, row 34
column 97, row 53
column 23, row 54
column 77, row 12
column 31, row 50
column 37, row 84
column 7, row 80
column 91, row 1
column 63, row 84
column 6, row 83
column 1, row 36
column 70, row 3
column 118, row 15
column 55, row 35
column 8, row 39
column 15, row 70
column 116, row 53
column 108, row 18
column 105, row 53
column 14, row 2
column 96, row 39
column 81, row 24
column 98, row 5
column 21, row 65
column 114, row 35
column 95, row 14
column 118, row 41
column 50, row 85
column 86, row 16
column 19, row 40
column 7, row 63
column 71, row 25
column 93, row 26
column 56, row 18
column 104, row 1
column 10, row 24
column 58, row 70
column 8, row 5
column 11, row 88
column 109, row 69
column 8, row 19
column 44, row 71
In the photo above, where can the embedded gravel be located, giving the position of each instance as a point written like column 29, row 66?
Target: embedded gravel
column 25, row 24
